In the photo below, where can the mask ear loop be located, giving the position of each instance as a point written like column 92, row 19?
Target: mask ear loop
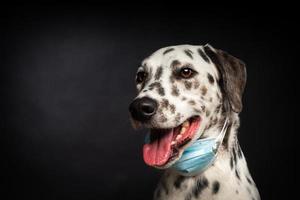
column 218, row 141
column 221, row 136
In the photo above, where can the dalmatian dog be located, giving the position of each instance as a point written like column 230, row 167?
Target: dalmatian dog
column 186, row 92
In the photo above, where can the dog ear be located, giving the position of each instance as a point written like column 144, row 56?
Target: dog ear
column 232, row 73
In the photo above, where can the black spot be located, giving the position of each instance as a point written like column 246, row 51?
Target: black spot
column 203, row 90
column 210, row 78
column 196, row 84
column 153, row 85
column 208, row 126
column 207, row 113
column 158, row 73
column 172, row 79
column 240, row 154
column 161, row 91
column 157, row 85
column 236, row 191
column 203, row 55
column 172, row 108
column 188, row 85
column 249, row 181
column 160, row 111
column 215, row 187
column 218, row 96
column 164, row 103
column 201, row 184
column 192, row 102
column 175, row 91
column 248, row 189
column 175, row 63
column 231, row 162
column 189, row 53
column 178, row 181
column 234, row 155
column 168, row 50
column 197, row 110
column 237, row 174
column 177, row 118
column 214, row 121
column 162, row 118
column 218, row 108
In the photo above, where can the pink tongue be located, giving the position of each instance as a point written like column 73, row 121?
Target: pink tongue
column 158, row 151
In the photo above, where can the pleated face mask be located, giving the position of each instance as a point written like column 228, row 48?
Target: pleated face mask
column 199, row 155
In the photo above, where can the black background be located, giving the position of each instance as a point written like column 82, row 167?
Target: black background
column 67, row 77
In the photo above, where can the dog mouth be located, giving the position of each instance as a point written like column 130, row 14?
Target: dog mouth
column 165, row 145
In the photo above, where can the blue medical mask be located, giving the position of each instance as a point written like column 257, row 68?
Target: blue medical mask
column 200, row 155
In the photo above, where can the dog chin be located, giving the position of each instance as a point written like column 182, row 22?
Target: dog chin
column 166, row 145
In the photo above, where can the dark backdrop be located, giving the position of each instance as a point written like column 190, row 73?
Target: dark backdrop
column 67, row 77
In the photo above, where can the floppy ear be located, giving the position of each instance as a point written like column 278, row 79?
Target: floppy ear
column 232, row 73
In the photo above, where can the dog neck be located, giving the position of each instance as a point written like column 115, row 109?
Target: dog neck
column 229, row 167
column 230, row 138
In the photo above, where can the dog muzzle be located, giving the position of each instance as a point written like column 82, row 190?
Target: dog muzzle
column 200, row 155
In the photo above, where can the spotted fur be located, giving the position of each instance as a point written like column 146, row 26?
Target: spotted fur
column 213, row 93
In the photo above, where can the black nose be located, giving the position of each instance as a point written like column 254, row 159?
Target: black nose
column 143, row 109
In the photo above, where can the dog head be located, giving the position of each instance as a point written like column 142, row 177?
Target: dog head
column 184, row 93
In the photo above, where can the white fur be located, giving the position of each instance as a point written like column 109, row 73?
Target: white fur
column 231, row 187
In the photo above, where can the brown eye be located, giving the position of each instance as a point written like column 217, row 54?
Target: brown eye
column 140, row 77
column 186, row 72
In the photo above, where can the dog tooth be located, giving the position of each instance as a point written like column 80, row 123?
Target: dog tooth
column 182, row 130
column 186, row 124
column 173, row 142
column 178, row 137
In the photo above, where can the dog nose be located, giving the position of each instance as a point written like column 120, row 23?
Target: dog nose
column 143, row 109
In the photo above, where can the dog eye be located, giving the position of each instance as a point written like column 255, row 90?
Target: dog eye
column 140, row 77
column 186, row 72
